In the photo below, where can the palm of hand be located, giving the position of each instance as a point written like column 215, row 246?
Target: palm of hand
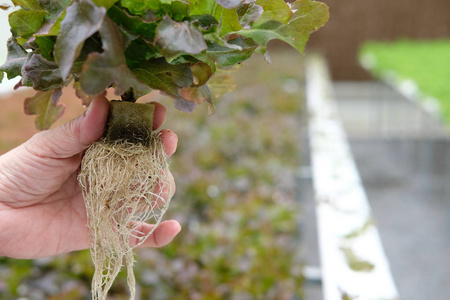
column 46, row 200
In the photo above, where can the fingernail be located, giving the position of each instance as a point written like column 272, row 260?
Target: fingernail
column 89, row 109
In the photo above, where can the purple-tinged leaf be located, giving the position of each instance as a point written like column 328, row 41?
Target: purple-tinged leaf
column 229, row 4
column 250, row 14
column 44, row 106
column 44, row 74
column 176, row 38
column 85, row 98
column 102, row 70
column 57, row 12
column 17, row 56
column 197, row 94
column 83, row 19
column 25, row 81
column 184, row 105
column 56, row 94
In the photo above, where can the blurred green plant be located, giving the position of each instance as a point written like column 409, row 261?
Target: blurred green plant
column 236, row 200
column 426, row 62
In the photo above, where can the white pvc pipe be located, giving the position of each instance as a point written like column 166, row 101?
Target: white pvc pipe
column 342, row 206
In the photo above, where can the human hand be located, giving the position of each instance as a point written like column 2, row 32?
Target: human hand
column 42, row 211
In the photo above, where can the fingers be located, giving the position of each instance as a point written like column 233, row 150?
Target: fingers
column 93, row 124
column 170, row 141
column 163, row 234
column 159, row 115
column 163, row 192
column 75, row 136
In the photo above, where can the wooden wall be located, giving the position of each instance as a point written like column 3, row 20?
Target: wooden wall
column 355, row 21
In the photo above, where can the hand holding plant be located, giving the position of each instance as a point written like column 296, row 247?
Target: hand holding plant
column 42, row 212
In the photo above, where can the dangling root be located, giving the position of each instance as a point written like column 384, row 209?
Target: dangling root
column 124, row 185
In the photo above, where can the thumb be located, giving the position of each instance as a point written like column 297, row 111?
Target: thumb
column 76, row 135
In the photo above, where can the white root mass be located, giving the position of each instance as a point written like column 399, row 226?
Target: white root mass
column 124, row 185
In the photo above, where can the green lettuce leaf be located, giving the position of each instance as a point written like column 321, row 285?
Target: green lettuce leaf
column 27, row 4
column 177, row 10
column 105, row 3
column 139, row 51
column 228, row 21
column 24, row 23
column 309, row 16
column 82, row 20
column 45, row 46
column 201, row 73
column 46, row 108
column 274, row 10
column 145, row 26
column 202, row 7
column 220, row 84
column 140, row 7
column 160, row 75
column 227, row 18
column 225, row 56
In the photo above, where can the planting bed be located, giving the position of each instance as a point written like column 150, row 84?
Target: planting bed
column 236, row 199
